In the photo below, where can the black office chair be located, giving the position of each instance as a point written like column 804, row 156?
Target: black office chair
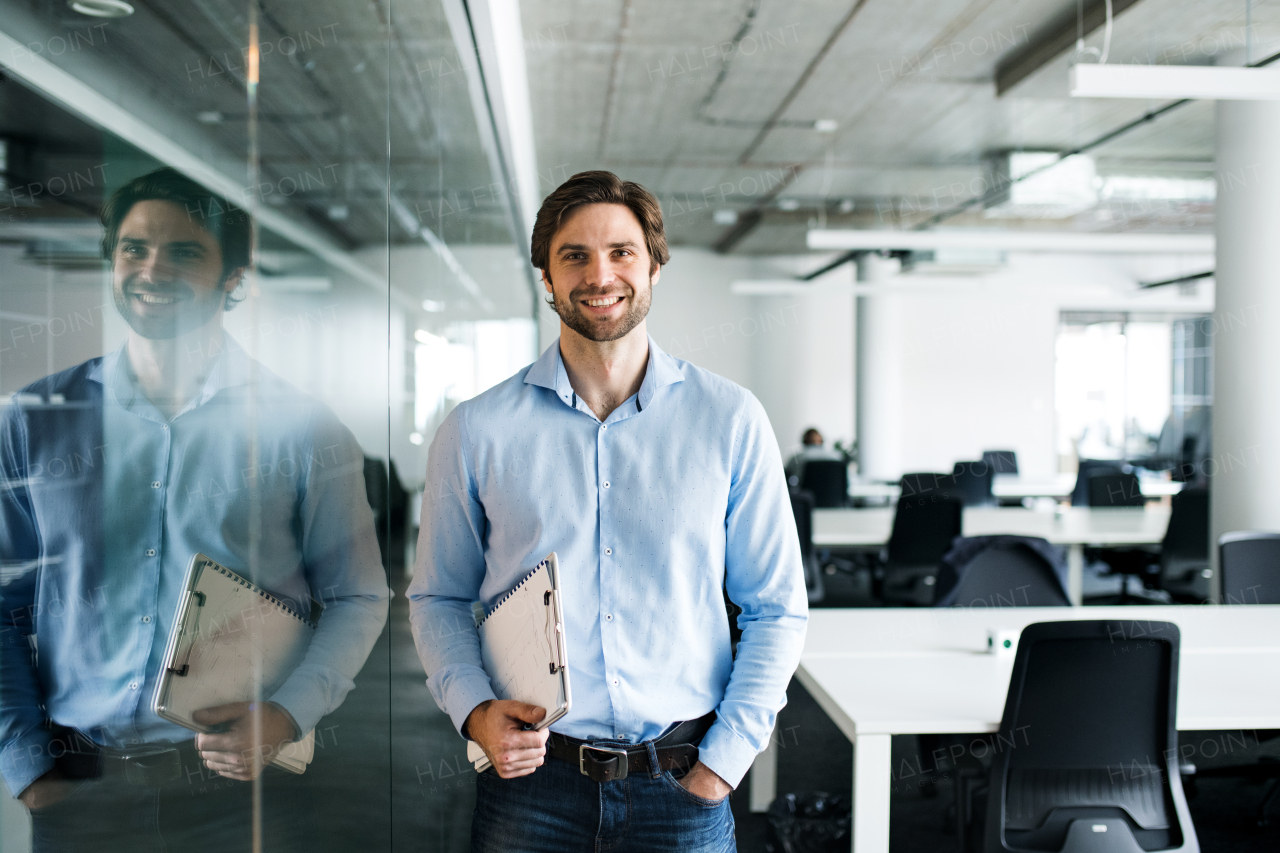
column 1086, row 756
column 924, row 526
column 1249, row 564
column 1114, row 489
column 827, row 480
column 1001, row 461
column 973, row 483
column 1080, row 494
column 802, row 509
column 1184, row 554
column 1002, row 571
column 927, row 484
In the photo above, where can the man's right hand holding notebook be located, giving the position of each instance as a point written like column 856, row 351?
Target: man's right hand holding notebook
column 501, row 727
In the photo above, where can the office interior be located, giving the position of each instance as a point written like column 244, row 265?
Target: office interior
column 1009, row 310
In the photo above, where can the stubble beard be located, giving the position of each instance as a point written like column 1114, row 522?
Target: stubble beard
column 601, row 331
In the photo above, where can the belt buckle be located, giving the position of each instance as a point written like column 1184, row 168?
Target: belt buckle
column 616, row 752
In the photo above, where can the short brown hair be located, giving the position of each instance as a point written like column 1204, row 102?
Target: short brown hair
column 598, row 188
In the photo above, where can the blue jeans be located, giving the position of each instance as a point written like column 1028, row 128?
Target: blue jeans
column 556, row 809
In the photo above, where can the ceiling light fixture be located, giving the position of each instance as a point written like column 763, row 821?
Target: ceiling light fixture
column 102, row 8
column 1028, row 240
column 1174, row 82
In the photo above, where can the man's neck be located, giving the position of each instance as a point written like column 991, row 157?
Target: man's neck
column 605, row 373
column 171, row 372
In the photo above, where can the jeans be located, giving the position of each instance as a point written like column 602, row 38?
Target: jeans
column 558, row 810
column 204, row 812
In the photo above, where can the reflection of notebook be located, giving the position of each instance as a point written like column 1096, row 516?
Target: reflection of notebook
column 231, row 642
column 522, row 645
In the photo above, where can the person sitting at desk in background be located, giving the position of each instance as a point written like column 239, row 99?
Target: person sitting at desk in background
column 659, row 486
column 813, row 448
column 116, row 472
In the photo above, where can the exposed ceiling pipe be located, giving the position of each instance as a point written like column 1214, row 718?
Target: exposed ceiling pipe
column 1182, row 279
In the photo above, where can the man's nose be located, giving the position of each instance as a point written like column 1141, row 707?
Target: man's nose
column 600, row 272
column 153, row 270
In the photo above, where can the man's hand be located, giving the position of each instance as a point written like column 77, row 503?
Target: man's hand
column 498, row 725
column 245, row 746
column 49, row 789
column 703, row 782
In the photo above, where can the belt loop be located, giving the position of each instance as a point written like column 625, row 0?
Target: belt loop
column 654, row 770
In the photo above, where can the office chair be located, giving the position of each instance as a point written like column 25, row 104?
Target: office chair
column 1001, row 461
column 1086, row 755
column 924, row 526
column 1002, row 571
column 973, row 483
column 1109, row 488
column 827, row 480
column 927, row 484
column 1184, row 553
column 1249, row 564
column 802, row 509
column 1080, row 494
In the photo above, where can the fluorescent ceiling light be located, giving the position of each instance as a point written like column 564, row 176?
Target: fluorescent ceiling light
column 1060, row 186
column 1135, row 187
column 1171, row 82
column 102, row 8
column 1013, row 241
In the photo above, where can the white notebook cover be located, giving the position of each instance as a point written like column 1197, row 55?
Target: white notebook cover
column 523, row 648
column 230, row 642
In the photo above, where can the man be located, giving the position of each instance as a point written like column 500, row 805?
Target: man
column 660, row 487
column 813, row 447
column 117, row 471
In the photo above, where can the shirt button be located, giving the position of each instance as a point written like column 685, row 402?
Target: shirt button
column 604, row 426
column 151, row 552
column 164, row 426
column 146, row 618
column 615, row 682
column 606, row 484
column 155, row 484
column 608, row 617
column 607, row 551
column 133, row 685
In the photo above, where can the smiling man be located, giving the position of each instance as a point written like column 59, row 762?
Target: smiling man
column 660, row 487
column 115, row 472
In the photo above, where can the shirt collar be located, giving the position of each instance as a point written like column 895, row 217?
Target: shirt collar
column 231, row 367
column 548, row 372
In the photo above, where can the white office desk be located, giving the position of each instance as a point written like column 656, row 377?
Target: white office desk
column 1015, row 486
column 1074, row 527
column 881, row 672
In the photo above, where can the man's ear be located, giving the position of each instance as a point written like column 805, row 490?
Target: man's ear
column 546, row 280
column 653, row 277
column 233, row 279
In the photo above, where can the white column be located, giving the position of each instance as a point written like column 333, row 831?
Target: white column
column 879, row 374
column 1245, row 469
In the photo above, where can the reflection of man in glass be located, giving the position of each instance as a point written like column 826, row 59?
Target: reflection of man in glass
column 115, row 473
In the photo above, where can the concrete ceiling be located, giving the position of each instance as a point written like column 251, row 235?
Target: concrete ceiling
column 716, row 105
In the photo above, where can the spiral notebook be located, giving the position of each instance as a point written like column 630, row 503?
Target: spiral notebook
column 523, row 648
column 231, row 641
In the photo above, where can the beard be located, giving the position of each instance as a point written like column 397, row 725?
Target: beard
column 601, row 330
column 193, row 309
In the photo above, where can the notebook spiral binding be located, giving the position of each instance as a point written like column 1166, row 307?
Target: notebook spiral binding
column 260, row 591
column 512, row 592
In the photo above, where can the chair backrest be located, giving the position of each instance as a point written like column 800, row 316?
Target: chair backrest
column 1000, row 571
column 1187, row 536
column 1080, row 494
column 1114, row 488
column 927, row 484
column 973, row 482
column 1001, row 461
column 1250, row 567
column 1088, row 742
column 827, row 480
column 802, row 509
column 924, row 526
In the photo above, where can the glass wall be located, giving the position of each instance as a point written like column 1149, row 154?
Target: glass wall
column 250, row 256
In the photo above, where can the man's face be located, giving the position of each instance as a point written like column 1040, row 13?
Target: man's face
column 599, row 272
column 167, row 271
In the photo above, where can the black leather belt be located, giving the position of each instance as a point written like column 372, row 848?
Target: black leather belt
column 607, row 761
column 77, row 756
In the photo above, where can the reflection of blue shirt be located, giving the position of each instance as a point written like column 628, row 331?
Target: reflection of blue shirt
column 104, row 501
column 678, row 493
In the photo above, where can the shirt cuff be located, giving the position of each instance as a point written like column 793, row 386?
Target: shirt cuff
column 458, row 690
column 303, row 700
column 26, row 759
column 726, row 753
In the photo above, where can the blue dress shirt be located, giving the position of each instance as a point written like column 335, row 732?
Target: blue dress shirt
column 103, row 502
column 677, row 494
